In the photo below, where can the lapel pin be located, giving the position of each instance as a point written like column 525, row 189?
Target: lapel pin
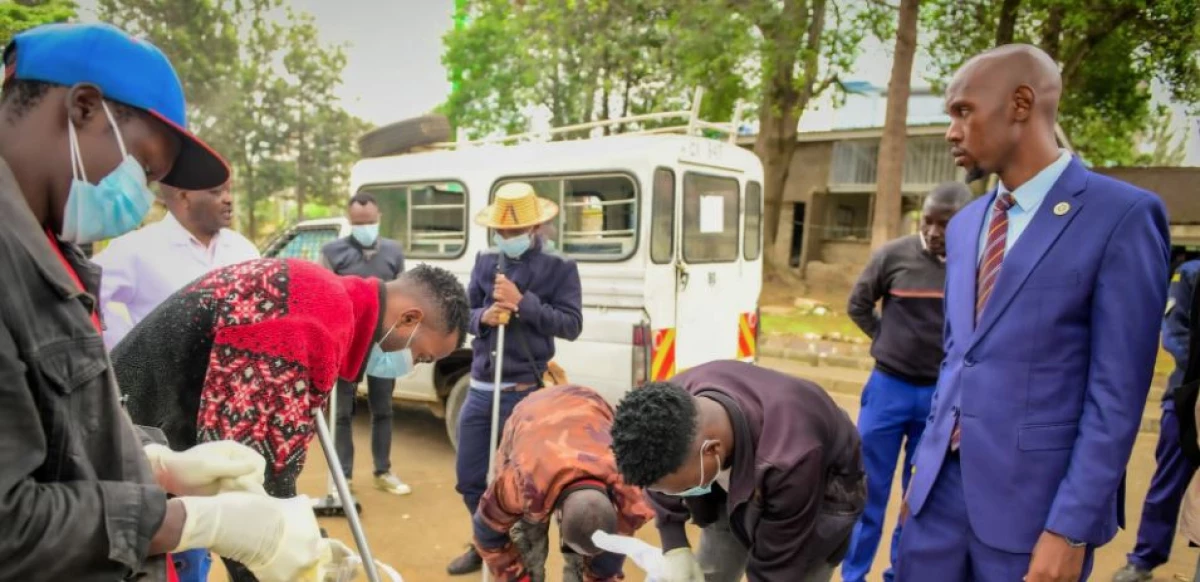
column 1061, row 208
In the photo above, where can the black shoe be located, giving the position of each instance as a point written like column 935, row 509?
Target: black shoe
column 469, row 562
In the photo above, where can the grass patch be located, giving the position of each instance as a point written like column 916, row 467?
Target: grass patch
column 801, row 322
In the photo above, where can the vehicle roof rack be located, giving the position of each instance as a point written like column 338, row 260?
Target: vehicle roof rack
column 692, row 125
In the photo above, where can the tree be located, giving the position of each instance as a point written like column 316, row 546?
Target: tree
column 796, row 48
column 18, row 16
column 260, row 85
column 580, row 61
column 890, row 165
column 586, row 61
column 1109, row 51
column 320, row 135
column 1167, row 147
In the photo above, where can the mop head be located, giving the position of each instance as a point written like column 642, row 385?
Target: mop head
column 339, row 563
column 647, row 557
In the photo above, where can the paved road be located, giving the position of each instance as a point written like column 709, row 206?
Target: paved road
column 420, row 533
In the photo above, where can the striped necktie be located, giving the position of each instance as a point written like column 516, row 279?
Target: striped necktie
column 989, row 269
column 993, row 251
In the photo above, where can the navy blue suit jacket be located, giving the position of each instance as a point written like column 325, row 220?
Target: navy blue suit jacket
column 1052, row 381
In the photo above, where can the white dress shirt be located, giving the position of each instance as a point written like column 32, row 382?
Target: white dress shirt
column 144, row 267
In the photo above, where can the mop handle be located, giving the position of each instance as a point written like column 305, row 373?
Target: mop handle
column 498, row 363
column 331, row 459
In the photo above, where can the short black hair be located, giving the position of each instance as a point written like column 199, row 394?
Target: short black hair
column 21, row 96
column 653, row 432
column 948, row 195
column 364, row 199
column 444, row 292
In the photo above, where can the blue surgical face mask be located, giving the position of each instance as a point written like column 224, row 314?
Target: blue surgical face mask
column 703, row 488
column 391, row 365
column 513, row 247
column 110, row 208
column 365, row 234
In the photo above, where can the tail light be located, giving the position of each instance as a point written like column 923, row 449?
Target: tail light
column 641, row 354
column 757, row 332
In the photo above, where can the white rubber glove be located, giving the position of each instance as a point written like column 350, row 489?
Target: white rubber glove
column 682, row 566
column 208, row 468
column 277, row 539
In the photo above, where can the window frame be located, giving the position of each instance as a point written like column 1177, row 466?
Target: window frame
column 737, row 255
column 745, row 222
column 467, row 220
column 586, row 175
column 674, row 206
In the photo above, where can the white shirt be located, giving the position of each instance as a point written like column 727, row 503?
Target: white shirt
column 144, row 267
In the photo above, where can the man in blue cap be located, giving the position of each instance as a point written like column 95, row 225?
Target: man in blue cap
column 89, row 116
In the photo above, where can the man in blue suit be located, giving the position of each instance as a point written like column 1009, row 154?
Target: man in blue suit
column 1055, row 284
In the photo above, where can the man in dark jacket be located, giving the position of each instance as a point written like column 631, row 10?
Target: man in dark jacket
column 540, row 294
column 907, row 275
column 1173, row 470
column 765, row 463
column 89, row 116
column 365, row 254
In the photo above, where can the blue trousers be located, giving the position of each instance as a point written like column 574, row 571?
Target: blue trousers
column 192, row 565
column 893, row 414
column 939, row 543
column 474, row 434
column 1161, row 508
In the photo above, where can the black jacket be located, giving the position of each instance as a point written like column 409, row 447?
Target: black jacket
column 346, row 256
column 78, row 500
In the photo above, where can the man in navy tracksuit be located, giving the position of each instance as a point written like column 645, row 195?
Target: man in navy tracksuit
column 1174, row 471
column 539, row 291
column 907, row 275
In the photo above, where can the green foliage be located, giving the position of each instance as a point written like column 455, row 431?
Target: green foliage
column 1110, row 52
column 581, row 61
column 18, row 16
column 261, row 89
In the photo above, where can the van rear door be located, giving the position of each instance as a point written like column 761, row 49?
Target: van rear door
column 709, row 284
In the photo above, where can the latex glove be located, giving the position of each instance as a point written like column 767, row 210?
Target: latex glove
column 682, row 566
column 208, row 468
column 277, row 539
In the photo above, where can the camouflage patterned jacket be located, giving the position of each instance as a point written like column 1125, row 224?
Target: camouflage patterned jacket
column 556, row 439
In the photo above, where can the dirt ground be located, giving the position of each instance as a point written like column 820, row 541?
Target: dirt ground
column 420, row 533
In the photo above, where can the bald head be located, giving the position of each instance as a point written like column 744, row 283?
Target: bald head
column 584, row 511
column 1010, row 68
column 1003, row 106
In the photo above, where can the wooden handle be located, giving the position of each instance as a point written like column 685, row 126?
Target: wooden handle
column 503, row 317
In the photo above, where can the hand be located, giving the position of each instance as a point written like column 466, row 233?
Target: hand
column 277, row 539
column 496, row 315
column 506, row 292
column 208, row 468
column 1054, row 560
column 682, row 566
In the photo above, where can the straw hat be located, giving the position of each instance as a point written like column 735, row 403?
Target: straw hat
column 517, row 205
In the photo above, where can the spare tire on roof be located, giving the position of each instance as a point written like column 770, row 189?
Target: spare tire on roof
column 402, row 136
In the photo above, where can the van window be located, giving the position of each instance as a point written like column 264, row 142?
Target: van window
column 305, row 243
column 429, row 219
column 597, row 219
column 710, row 218
column 662, row 217
column 753, row 228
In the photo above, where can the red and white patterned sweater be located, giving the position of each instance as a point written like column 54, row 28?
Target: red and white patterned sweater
column 248, row 353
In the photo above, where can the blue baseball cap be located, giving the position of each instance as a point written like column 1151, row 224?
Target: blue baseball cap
column 127, row 70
